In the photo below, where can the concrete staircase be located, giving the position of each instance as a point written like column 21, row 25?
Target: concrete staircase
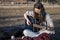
column 13, row 14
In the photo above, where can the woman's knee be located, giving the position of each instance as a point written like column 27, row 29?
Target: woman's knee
column 25, row 31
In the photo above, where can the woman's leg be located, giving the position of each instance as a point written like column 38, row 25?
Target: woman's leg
column 30, row 33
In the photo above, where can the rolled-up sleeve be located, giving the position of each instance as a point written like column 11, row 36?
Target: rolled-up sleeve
column 49, row 21
column 30, row 13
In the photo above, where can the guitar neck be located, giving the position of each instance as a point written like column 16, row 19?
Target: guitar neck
column 38, row 26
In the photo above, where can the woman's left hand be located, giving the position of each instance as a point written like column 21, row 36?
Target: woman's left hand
column 52, row 32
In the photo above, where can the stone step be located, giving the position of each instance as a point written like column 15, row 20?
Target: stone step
column 9, row 21
column 21, row 9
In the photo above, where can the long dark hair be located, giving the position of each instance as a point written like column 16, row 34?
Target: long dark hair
column 42, row 14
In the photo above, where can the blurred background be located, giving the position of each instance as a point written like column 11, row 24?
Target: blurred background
column 12, row 20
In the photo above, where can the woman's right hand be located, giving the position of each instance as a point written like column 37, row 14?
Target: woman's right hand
column 28, row 22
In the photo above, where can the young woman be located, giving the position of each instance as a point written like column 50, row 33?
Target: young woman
column 38, row 17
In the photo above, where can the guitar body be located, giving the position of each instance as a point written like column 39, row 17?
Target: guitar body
column 33, row 21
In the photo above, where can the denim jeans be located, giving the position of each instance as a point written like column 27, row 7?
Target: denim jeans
column 30, row 33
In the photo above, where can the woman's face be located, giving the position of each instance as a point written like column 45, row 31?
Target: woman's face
column 37, row 10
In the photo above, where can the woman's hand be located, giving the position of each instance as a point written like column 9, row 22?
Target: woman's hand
column 52, row 32
column 51, row 29
column 28, row 22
